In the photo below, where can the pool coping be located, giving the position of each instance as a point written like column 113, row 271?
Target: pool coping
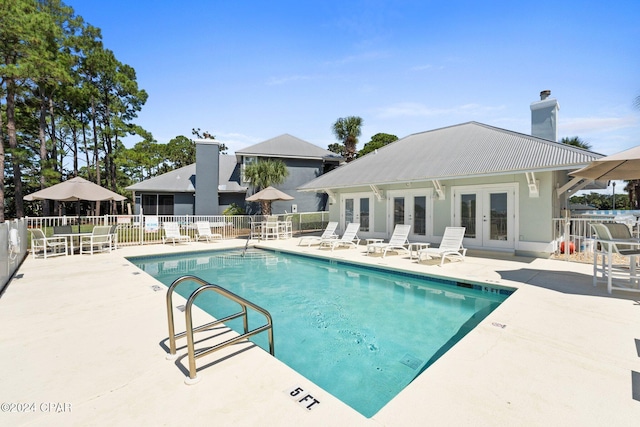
column 89, row 333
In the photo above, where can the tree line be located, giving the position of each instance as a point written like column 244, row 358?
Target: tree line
column 66, row 105
column 66, row 101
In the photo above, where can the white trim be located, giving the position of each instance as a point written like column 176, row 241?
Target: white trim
column 534, row 186
column 440, row 190
column 510, row 187
column 568, row 185
column 428, row 193
column 378, row 193
column 357, row 196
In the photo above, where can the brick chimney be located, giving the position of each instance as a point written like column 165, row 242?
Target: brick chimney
column 544, row 116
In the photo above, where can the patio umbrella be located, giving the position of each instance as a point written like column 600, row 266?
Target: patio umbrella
column 269, row 194
column 266, row 196
column 74, row 190
column 621, row 166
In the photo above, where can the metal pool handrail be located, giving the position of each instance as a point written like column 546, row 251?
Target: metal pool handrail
column 203, row 287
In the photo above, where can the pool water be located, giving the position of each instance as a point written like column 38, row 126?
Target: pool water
column 360, row 333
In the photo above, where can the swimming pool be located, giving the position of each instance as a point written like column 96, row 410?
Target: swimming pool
column 360, row 333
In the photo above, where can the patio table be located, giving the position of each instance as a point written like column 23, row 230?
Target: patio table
column 71, row 237
column 415, row 247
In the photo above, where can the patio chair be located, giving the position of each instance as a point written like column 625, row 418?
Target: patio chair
column 328, row 233
column 270, row 228
column 399, row 239
column 609, row 250
column 50, row 246
column 286, row 227
column 100, row 240
column 172, row 233
column 114, row 236
column 204, row 232
column 349, row 238
column 450, row 246
column 62, row 229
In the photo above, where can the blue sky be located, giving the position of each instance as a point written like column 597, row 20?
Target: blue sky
column 247, row 71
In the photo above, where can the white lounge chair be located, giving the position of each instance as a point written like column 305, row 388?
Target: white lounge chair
column 204, row 232
column 100, row 240
column 399, row 239
column 50, row 246
column 450, row 246
column 328, row 233
column 349, row 238
column 172, row 233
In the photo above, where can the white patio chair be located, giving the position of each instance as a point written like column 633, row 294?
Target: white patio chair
column 114, row 236
column 625, row 276
column 204, row 232
column 270, row 228
column 398, row 241
column 349, row 238
column 450, row 246
column 286, row 227
column 328, row 233
column 172, row 233
column 50, row 246
column 100, row 240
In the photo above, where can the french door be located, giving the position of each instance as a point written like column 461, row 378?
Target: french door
column 488, row 215
column 413, row 208
column 357, row 208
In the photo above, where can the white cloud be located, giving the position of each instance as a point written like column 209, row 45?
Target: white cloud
column 414, row 109
column 421, row 67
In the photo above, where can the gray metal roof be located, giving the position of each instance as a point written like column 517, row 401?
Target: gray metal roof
column 460, row 151
column 182, row 180
column 288, row 146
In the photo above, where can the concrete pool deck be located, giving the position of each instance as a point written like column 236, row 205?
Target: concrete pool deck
column 84, row 343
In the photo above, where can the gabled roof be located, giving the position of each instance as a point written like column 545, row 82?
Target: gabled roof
column 466, row 150
column 183, row 180
column 288, row 146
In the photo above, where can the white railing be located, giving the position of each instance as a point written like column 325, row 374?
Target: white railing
column 573, row 238
column 147, row 229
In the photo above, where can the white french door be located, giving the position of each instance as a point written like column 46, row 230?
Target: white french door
column 488, row 215
column 413, row 208
column 357, row 208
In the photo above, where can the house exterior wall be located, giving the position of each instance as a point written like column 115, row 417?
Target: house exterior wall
column 533, row 230
column 183, row 203
column 226, row 199
column 301, row 171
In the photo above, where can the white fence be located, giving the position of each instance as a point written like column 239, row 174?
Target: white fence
column 147, row 229
column 573, row 237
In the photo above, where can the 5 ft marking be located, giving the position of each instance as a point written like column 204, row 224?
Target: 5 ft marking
column 303, row 398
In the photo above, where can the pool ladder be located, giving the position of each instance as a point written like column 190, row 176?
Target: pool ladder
column 205, row 287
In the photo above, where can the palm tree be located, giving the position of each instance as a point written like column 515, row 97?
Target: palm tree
column 264, row 173
column 576, row 142
column 632, row 188
column 347, row 130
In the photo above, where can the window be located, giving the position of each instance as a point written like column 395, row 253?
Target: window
column 245, row 162
column 157, row 204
